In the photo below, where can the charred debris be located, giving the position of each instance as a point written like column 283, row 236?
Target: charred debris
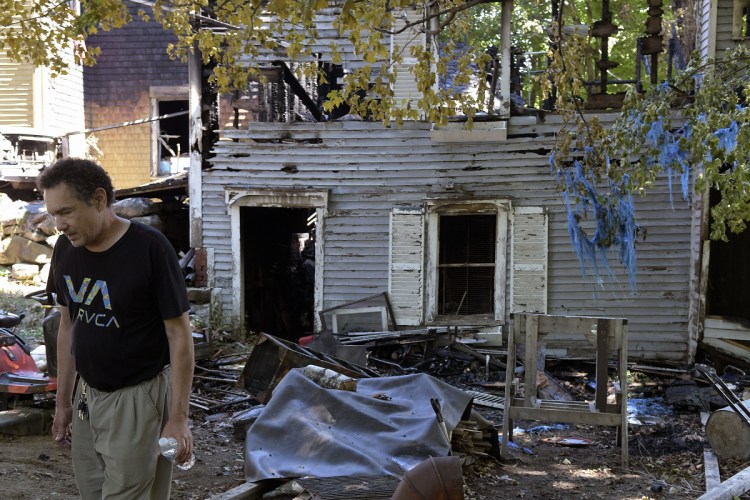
column 428, row 394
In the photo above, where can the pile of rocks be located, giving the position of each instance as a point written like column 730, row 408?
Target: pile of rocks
column 29, row 233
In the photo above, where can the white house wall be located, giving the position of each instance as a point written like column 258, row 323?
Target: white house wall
column 724, row 22
column 369, row 170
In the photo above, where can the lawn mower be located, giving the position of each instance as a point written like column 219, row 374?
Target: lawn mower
column 19, row 375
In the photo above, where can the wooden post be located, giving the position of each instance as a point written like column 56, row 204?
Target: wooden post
column 531, row 325
column 505, row 36
column 602, row 360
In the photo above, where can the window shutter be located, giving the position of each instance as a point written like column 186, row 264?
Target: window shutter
column 405, row 85
column 406, row 265
column 528, row 291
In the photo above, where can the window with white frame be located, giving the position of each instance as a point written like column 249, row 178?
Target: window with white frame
column 449, row 261
column 466, row 264
column 466, row 271
column 169, row 133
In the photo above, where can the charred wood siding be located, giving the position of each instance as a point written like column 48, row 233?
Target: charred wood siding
column 369, row 170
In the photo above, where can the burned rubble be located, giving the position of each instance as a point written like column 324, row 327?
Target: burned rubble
column 240, row 387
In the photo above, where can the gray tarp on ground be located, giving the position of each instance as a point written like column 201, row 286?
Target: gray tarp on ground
column 306, row 430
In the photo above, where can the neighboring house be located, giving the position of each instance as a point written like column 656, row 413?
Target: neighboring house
column 134, row 80
column 36, row 111
column 31, row 97
column 725, row 266
column 460, row 228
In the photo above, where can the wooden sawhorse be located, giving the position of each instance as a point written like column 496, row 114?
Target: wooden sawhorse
column 573, row 337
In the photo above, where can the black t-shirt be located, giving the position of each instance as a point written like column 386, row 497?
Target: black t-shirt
column 118, row 300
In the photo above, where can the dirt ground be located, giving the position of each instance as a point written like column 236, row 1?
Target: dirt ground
column 666, row 453
column 666, row 461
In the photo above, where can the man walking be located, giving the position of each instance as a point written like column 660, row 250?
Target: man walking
column 125, row 331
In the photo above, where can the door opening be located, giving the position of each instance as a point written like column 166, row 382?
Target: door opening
column 728, row 274
column 278, row 262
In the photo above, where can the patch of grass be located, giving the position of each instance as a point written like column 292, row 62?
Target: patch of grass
column 12, row 301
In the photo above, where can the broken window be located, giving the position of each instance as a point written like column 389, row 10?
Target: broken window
column 169, row 136
column 466, row 264
column 173, row 138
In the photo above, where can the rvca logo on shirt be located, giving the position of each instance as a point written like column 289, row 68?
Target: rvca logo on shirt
column 85, row 297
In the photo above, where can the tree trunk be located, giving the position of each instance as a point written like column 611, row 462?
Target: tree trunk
column 728, row 433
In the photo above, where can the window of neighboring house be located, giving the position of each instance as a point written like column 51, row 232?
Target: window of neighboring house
column 466, row 264
column 170, row 136
column 740, row 19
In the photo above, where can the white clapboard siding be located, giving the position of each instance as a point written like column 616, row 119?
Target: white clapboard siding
column 368, row 170
column 724, row 25
column 528, row 291
column 405, row 264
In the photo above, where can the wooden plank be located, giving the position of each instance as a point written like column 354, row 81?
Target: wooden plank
column 728, row 347
column 721, row 334
column 567, row 416
column 531, row 323
column 621, row 334
column 603, row 332
column 731, row 488
column 711, row 463
column 718, row 327
column 245, row 491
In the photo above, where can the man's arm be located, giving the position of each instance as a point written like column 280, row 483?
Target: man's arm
column 182, row 360
column 66, row 376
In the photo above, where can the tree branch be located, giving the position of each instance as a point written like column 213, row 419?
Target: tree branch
column 451, row 12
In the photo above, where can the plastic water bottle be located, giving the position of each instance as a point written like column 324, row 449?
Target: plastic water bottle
column 168, row 447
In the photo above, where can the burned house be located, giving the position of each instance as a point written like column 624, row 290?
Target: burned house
column 136, row 103
column 458, row 226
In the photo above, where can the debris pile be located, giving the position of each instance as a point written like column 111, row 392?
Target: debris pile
column 29, row 233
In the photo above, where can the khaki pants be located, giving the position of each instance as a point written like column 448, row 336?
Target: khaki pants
column 115, row 451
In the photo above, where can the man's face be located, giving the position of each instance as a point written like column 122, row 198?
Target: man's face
column 80, row 222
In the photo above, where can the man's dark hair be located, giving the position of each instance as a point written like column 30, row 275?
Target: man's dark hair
column 83, row 176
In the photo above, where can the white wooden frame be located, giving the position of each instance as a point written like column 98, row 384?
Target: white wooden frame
column 360, row 310
column 237, row 198
column 156, row 95
column 499, row 207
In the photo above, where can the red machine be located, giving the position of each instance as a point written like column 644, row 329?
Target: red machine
column 19, row 374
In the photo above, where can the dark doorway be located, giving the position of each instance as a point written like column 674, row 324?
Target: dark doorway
column 278, row 255
column 729, row 274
